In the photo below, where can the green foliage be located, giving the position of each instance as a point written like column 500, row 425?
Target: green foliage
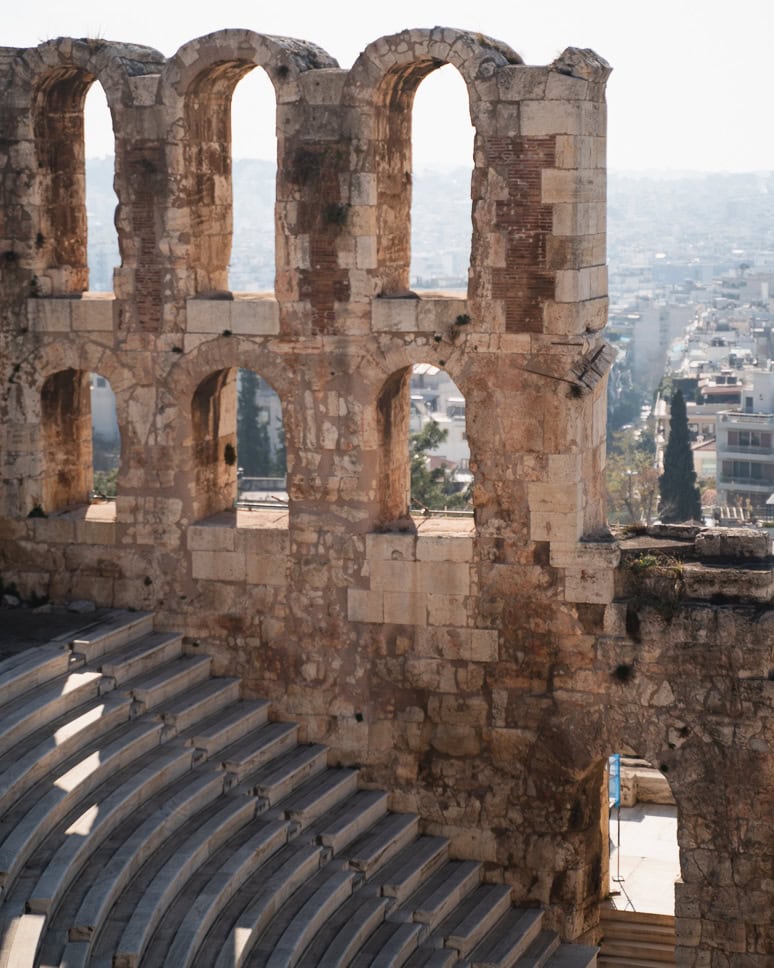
column 632, row 477
column 105, row 482
column 432, row 489
column 680, row 499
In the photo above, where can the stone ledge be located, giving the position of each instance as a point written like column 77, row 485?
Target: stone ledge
column 91, row 312
column 245, row 314
column 422, row 314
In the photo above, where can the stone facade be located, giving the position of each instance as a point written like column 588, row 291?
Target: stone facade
column 482, row 671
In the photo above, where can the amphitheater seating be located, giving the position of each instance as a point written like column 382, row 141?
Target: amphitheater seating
column 151, row 817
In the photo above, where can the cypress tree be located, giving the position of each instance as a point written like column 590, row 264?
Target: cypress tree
column 680, row 498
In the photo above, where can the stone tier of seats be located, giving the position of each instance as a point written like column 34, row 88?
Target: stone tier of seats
column 151, row 817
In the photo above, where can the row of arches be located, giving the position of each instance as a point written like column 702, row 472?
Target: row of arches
column 239, row 442
column 440, row 217
column 197, row 86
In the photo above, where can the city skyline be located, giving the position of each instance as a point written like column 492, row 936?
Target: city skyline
column 688, row 90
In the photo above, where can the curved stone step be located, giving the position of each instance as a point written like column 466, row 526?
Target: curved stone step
column 202, row 791
column 432, row 958
column 27, row 670
column 378, row 845
column 159, row 893
column 345, row 823
column 141, row 656
column 207, row 698
column 577, row 956
column 318, row 795
column 227, row 727
column 167, row 681
column 440, row 893
column 65, row 791
column 479, row 912
column 509, row 939
column 95, row 824
column 541, row 949
column 204, row 909
column 310, row 918
column 110, row 632
column 345, row 932
column 390, row 946
column 254, row 750
column 280, row 777
column 42, row 751
column 37, row 707
column 404, row 874
column 291, row 867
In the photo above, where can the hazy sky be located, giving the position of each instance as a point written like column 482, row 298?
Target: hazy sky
column 692, row 85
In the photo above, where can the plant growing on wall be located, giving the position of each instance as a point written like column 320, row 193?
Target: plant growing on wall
column 680, row 499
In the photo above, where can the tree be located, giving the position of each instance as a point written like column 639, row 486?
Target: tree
column 435, row 488
column 253, row 441
column 632, row 477
column 680, row 499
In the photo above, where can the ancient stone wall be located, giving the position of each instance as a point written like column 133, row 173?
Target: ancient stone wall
column 470, row 667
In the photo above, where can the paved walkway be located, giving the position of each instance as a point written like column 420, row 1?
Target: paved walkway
column 649, row 861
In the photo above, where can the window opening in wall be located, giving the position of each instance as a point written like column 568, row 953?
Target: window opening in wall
column 439, row 456
column 101, row 200
column 81, row 445
column 644, row 860
column 261, row 458
column 254, row 171
column 105, row 440
column 442, row 146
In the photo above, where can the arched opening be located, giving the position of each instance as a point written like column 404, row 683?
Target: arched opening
column 442, row 149
column 637, row 922
column 254, row 174
column 101, row 200
column 81, row 442
column 424, row 458
column 60, row 238
column 261, row 458
column 239, row 444
column 208, row 161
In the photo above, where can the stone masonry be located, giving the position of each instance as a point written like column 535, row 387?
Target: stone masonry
column 483, row 670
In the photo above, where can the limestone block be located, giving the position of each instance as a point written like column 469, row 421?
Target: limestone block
column 579, row 218
column 394, row 315
column 384, row 547
column 564, row 528
column 439, row 314
column 218, row 565
column 210, row 538
column 572, row 186
column 484, row 645
column 446, row 610
column 54, row 530
column 322, row 86
column 576, row 285
column 49, row 315
column 144, row 88
column 93, row 313
column 444, row 548
column 95, row 532
column 589, row 585
column 208, row 315
column 736, row 543
column 258, row 317
column 263, row 570
column 564, row 86
column 364, row 606
column 365, row 252
column 518, row 82
column 363, row 189
column 747, row 585
column 405, row 608
column 564, row 498
column 442, row 577
column 583, row 554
